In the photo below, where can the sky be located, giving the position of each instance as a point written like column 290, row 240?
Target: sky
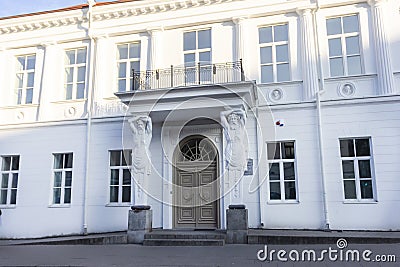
column 16, row 7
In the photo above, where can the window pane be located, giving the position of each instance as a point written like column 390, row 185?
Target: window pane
column 205, row 57
column 333, row 26
column 19, row 81
column 336, row 66
column 352, row 45
column 80, row 90
column 350, row 189
column 127, row 158
column 20, row 63
column 29, row 96
column 288, row 150
column 283, row 72
column 115, row 158
column 14, row 183
column 366, row 189
column 6, row 164
column 68, row 158
column 81, row 74
column 114, row 194
column 288, row 170
column 123, row 51
column 4, row 180
column 273, row 150
column 121, row 85
column 57, row 196
column 13, row 199
column 364, row 168
column 31, row 78
column 15, row 163
column 57, row 179
column 354, row 65
column 275, row 190
column 274, row 171
column 266, row 74
column 346, row 148
column 58, row 161
column 69, row 75
column 70, row 57
column 134, row 50
column 362, row 147
column 68, row 91
column 122, row 70
column 68, row 178
column 114, row 177
column 126, row 177
column 335, row 47
column 134, row 65
column 126, row 194
column 290, row 190
column 348, row 169
column 19, row 101
column 189, row 60
column 81, row 57
column 282, row 53
column 281, row 33
column 350, row 24
column 3, row 197
column 204, row 39
column 265, row 35
column 189, row 41
column 30, row 65
column 67, row 195
column 266, row 55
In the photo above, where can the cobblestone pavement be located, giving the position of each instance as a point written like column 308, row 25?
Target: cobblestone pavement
column 228, row 255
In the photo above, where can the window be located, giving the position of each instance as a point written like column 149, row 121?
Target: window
column 75, row 72
column 120, row 176
column 282, row 177
column 356, row 166
column 197, row 49
column 274, row 53
column 62, row 178
column 25, row 79
column 344, row 45
column 9, row 180
column 128, row 60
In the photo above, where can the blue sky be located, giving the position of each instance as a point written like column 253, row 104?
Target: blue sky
column 16, row 7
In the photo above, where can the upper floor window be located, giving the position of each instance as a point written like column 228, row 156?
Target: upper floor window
column 274, row 53
column 75, row 72
column 128, row 61
column 62, row 182
column 25, row 78
column 120, row 176
column 344, row 45
column 9, row 180
column 197, row 47
column 282, row 174
column 357, row 168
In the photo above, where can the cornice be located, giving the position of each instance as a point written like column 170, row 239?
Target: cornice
column 124, row 10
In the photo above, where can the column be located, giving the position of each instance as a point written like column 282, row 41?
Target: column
column 156, row 35
column 382, row 51
column 240, row 41
column 308, row 54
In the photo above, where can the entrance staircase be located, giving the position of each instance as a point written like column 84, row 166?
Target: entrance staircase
column 185, row 238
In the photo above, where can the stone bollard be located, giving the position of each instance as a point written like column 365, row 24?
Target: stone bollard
column 139, row 223
column 237, row 224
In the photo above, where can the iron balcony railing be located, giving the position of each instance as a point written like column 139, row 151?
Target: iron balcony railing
column 195, row 74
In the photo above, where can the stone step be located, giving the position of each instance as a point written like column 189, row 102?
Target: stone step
column 204, row 236
column 184, row 242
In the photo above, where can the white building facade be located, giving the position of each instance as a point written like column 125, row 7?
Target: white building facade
column 313, row 144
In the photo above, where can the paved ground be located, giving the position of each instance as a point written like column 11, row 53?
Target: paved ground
column 135, row 255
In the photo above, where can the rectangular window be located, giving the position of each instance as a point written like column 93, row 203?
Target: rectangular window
column 120, row 176
column 62, row 178
column 357, row 173
column 128, row 61
column 282, row 172
column 274, row 53
column 75, row 73
column 197, row 55
column 9, row 180
column 25, row 79
column 344, row 45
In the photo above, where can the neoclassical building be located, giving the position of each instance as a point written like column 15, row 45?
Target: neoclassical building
column 291, row 108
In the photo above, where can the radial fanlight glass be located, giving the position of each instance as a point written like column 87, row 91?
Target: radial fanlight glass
column 197, row 149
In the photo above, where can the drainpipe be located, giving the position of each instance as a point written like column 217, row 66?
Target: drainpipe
column 89, row 106
column 319, row 115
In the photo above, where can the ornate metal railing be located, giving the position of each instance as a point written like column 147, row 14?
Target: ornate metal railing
column 196, row 74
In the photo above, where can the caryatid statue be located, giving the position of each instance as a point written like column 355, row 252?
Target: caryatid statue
column 236, row 150
column 141, row 127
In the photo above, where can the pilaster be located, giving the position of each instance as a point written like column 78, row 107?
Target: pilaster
column 156, row 35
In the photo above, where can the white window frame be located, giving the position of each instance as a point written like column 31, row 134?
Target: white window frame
column 198, row 50
column 10, row 174
column 273, row 44
column 357, row 178
column 21, row 91
column 343, row 37
column 75, row 68
column 63, row 187
column 120, row 185
column 128, row 73
column 282, row 180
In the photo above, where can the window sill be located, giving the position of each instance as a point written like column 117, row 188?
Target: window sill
column 280, row 202
column 347, row 77
column 69, row 101
column 20, row 106
column 122, row 205
column 60, row 206
column 355, row 201
column 8, row 207
column 279, row 83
